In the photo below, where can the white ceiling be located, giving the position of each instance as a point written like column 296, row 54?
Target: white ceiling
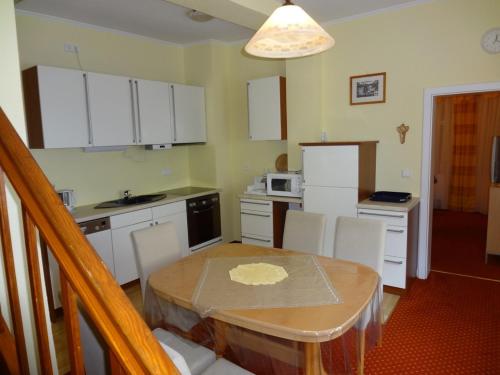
column 166, row 21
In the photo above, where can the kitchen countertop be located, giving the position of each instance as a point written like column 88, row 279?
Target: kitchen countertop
column 275, row 198
column 89, row 212
column 404, row 207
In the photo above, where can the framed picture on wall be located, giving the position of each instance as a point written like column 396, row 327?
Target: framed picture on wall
column 368, row 89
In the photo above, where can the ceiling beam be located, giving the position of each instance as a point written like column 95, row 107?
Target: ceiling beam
column 248, row 13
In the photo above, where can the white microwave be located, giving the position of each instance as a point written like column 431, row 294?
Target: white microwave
column 284, row 184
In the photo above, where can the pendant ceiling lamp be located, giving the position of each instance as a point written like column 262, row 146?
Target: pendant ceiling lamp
column 289, row 32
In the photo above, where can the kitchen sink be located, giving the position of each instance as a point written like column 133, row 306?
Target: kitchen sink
column 130, row 201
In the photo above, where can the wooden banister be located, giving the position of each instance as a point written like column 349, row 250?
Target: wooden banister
column 130, row 341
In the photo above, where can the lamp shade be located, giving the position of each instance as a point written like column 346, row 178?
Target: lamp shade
column 289, row 32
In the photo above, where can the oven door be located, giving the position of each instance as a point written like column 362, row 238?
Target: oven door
column 203, row 220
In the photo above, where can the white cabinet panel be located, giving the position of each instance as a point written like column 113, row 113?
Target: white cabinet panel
column 396, row 241
column 110, row 101
column 124, row 253
column 188, row 114
column 396, row 218
column 256, row 205
column 153, row 112
column 257, row 223
column 169, row 209
column 265, row 97
column 130, row 218
column 332, row 202
column 180, row 221
column 394, row 272
column 331, row 166
column 62, row 107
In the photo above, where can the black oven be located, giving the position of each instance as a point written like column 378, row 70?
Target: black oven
column 203, row 215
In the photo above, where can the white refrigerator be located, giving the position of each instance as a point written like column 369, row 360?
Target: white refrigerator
column 332, row 185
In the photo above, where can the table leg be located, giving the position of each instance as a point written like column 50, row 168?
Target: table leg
column 312, row 355
column 220, row 338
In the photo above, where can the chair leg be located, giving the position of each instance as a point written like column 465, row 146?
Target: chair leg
column 361, row 359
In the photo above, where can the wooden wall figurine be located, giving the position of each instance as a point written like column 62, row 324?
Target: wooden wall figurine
column 402, row 130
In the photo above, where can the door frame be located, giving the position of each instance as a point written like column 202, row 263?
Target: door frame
column 426, row 181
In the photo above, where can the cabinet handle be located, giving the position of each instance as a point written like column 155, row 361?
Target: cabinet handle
column 396, row 230
column 393, row 261
column 134, row 138
column 139, row 126
column 259, row 203
column 87, row 108
column 248, row 213
column 256, row 239
column 248, row 110
column 173, row 112
column 383, row 215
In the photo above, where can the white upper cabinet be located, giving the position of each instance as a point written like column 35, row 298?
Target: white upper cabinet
column 153, row 112
column 188, row 113
column 267, row 109
column 56, row 111
column 111, row 109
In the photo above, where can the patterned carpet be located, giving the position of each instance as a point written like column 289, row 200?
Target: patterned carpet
column 446, row 324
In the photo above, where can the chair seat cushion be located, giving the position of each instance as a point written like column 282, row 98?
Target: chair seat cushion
column 224, row 367
column 177, row 359
column 197, row 357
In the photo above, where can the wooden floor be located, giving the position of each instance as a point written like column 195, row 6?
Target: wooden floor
column 133, row 291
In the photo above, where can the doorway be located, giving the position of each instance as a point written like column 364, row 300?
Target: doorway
column 463, row 129
column 427, row 180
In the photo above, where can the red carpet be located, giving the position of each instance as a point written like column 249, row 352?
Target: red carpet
column 446, row 324
column 459, row 243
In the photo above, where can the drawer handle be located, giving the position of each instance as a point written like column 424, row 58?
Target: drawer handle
column 393, row 261
column 248, row 213
column 396, row 230
column 259, row 203
column 383, row 215
column 255, row 238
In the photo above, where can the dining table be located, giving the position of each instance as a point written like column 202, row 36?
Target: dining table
column 308, row 324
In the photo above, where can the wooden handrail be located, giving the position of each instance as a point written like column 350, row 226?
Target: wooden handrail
column 128, row 337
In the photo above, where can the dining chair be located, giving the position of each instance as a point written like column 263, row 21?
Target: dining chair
column 199, row 360
column 362, row 241
column 304, row 231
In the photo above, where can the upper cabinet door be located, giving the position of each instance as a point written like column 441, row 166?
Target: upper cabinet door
column 110, row 100
column 334, row 166
column 56, row 111
column 188, row 116
column 154, row 114
column 267, row 109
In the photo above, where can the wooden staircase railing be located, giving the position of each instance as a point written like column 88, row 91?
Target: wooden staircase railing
column 132, row 347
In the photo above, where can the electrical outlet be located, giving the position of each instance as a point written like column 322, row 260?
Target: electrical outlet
column 166, row 171
column 405, row 172
column 71, row 48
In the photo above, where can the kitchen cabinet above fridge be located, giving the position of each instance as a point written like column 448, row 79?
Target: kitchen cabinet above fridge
column 68, row 108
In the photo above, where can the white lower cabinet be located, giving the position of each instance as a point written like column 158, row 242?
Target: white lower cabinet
column 400, row 255
column 176, row 213
column 256, row 222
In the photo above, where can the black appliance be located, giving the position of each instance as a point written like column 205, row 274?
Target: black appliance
column 203, row 215
column 390, row 196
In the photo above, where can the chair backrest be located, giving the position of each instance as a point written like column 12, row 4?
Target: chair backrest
column 361, row 241
column 155, row 247
column 304, row 231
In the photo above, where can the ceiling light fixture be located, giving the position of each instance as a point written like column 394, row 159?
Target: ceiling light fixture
column 289, row 32
column 198, row 16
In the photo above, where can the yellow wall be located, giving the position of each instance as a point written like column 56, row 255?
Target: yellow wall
column 429, row 45
column 101, row 176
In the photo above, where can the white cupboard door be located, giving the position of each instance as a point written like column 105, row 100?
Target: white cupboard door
column 104, row 247
column 63, row 107
column 264, row 109
column 332, row 202
column 180, row 221
column 331, row 166
column 188, row 117
column 110, row 101
column 124, row 253
column 152, row 100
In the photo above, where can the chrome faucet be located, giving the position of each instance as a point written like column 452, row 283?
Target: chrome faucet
column 127, row 194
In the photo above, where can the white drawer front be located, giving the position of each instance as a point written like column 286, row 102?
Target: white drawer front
column 394, row 272
column 395, row 241
column 256, row 205
column 122, row 220
column 255, row 222
column 390, row 217
column 256, row 240
column 169, row 209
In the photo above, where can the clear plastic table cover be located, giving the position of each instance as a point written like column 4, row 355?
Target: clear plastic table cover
column 306, row 285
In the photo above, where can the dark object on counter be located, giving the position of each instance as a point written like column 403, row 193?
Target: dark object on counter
column 128, row 201
column 390, row 196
